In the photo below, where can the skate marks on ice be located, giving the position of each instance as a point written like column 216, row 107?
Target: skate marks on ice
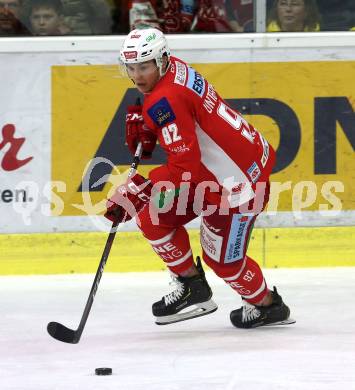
column 205, row 353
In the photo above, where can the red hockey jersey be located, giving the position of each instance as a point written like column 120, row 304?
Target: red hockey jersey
column 202, row 135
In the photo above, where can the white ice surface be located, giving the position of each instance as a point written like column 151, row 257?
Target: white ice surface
column 318, row 352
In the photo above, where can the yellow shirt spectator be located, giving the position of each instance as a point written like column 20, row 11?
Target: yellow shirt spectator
column 294, row 15
column 274, row 27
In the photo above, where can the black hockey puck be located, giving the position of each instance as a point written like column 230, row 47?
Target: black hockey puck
column 103, row 371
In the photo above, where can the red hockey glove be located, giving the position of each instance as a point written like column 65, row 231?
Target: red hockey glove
column 128, row 199
column 137, row 131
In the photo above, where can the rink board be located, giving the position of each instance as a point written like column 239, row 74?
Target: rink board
column 63, row 253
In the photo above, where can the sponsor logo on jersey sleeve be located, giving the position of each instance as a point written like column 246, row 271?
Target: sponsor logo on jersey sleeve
column 254, row 172
column 210, row 100
column 180, row 76
column 266, row 151
column 161, row 112
column 196, row 82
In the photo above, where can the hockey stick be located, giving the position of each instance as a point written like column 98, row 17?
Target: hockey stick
column 61, row 332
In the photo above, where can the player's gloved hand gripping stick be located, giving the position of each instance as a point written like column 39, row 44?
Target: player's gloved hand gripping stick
column 61, row 332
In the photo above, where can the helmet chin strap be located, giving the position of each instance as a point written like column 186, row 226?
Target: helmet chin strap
column 159, row 63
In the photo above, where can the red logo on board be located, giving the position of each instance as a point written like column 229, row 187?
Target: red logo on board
column 10, row 162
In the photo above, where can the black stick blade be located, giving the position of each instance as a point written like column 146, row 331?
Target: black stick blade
column 62, row 333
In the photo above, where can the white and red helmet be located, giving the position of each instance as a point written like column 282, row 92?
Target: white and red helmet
column 144, row 45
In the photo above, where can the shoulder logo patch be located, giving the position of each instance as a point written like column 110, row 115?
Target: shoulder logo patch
column 195, row 82
column 180, row 75
column 254, row 172
column 161, row 112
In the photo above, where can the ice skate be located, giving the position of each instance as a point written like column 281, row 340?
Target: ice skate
column 192, row 298
column 252, row 316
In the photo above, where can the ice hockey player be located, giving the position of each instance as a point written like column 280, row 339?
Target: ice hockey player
column 217, row 167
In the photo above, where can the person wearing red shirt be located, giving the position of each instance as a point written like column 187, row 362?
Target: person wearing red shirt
column 10, row 19
column 223, row 16
column 218, row 168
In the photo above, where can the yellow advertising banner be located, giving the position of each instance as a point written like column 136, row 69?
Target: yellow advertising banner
column 304, row 109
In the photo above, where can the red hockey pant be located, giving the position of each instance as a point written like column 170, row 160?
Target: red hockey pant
column 224, row 241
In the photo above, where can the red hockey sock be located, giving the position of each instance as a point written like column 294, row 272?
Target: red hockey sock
column 175, row 250
column 247, row 279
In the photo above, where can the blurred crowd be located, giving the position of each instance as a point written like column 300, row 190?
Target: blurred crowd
column 106, row 17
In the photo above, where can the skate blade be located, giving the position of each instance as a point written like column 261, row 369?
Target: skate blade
column 289, row 321
column 200, row 309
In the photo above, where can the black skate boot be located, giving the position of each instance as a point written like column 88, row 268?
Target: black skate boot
column 191, row 291
column 252, row 316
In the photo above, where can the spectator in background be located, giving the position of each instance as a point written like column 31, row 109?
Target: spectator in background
column 211, row 16
column 46, row 17
column 224, row 16
column 182, row 16
column 177, row 15
column 240, row 15
column 87, row 17
column 170, row 16
column 143, row 14
column 120, row 17
column 293, row 15
column 337, row 15
column 10, row 21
